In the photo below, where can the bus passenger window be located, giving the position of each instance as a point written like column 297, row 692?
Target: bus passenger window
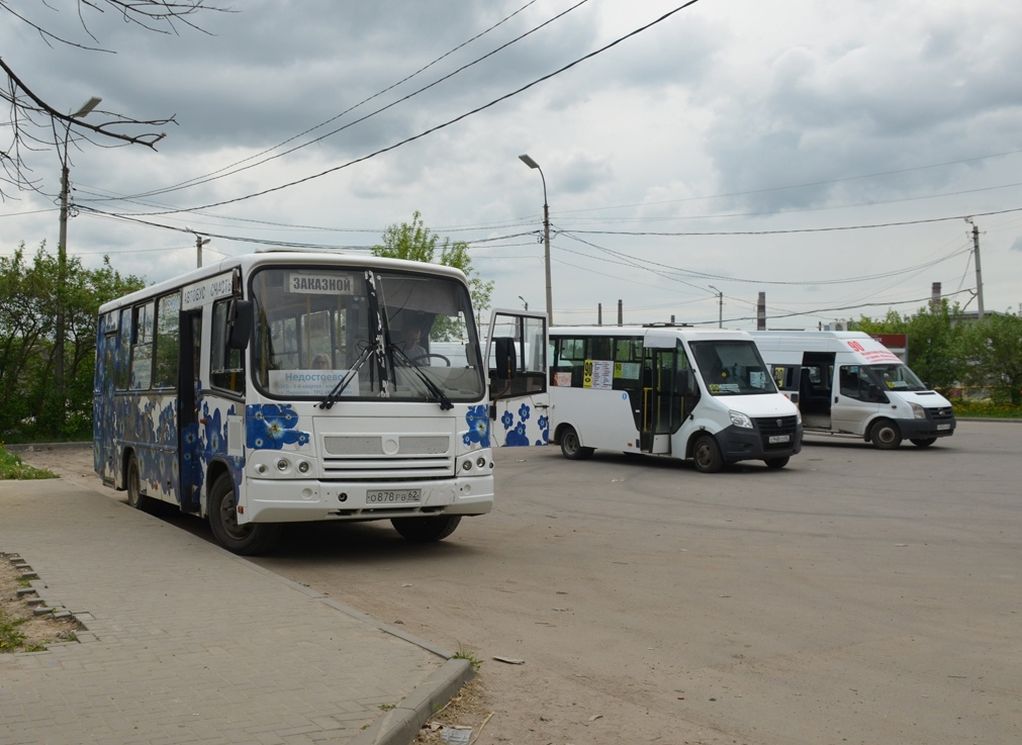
column 142, row 348
column 226, row 365
column 168, row 341
column 122, row 358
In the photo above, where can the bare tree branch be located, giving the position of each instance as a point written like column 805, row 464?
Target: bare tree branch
column 34, row 124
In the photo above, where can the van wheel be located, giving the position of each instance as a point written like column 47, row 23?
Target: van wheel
column 426, row 529
column 136, row 498
column 570, row 446
column 247, row 540
column 923, row 442
column 886, row 435
column 706, row 455
column 776, row 463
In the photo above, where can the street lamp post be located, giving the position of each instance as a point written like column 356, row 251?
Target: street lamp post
column 546, row 238
column 524, row 302
column 58, row 344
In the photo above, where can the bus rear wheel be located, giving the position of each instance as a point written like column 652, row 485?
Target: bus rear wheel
column 247, row 540
column 886, row 435
column 426, row 529
column 571, row 448
column 133, row 485
column 706, row 455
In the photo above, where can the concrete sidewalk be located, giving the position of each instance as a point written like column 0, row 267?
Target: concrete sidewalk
column 187, row 643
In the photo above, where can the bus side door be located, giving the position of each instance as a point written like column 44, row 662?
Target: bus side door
column 516, row 357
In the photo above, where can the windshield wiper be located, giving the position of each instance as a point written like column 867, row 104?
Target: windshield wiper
column 441, row 397
column 335, row 393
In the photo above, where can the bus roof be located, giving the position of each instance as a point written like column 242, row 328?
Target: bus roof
column 282, row 257
column 681, row 332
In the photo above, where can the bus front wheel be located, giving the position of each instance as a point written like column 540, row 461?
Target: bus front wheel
column 776, row 463
column 923, row 442
column 247, row 540
column 706, row 455
column 571, row 448
column 886, row 435
column 426, row 529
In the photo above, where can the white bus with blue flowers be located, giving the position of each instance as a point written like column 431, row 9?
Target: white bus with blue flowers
column 280, row 387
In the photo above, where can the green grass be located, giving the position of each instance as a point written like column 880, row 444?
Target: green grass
column 11, row 639
column 11, row 467
column 966, row 408
column 465, row 654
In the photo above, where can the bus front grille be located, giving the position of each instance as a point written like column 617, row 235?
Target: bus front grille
column 772, row 426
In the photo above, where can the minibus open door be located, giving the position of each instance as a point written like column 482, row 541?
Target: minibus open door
column 661, row 402
column 516, row 357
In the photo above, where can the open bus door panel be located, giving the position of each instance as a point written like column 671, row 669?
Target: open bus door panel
column 516, row 356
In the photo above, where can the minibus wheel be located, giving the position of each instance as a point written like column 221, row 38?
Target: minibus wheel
column 570, row 446
column 886, row 435
column 706, row 455
column 426, row 529
column 776, row 463
column 923, row 442
column 133, row 485
column 247, row 540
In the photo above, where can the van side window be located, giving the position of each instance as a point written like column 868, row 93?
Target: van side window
column 786, row 377
column 850, row 383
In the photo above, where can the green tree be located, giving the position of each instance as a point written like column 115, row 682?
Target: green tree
column 29, row 406
column 994, row 349
column 415, row 242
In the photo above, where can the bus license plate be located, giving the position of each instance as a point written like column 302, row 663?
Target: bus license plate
column 393, row 496
column 943, row 426
column 775, row 439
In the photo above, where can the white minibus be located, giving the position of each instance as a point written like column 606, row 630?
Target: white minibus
column 671, row 391
column 848, row 383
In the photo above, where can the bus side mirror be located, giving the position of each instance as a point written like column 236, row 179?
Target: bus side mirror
column 240, row 319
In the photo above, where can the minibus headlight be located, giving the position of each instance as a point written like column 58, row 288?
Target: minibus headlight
column 918, row 411
column 283, row 464
column 303, row 466
column 481, row 462
column 740, row 420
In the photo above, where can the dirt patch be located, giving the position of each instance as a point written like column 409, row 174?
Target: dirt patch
column 464, row 717
column 21, row 630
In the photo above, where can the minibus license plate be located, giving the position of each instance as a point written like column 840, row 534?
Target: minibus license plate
column 393, row 496
column 943, row 426
column 774, row 439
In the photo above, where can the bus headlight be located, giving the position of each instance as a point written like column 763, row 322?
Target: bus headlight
column 283, row 464
column 303, row 466
column 740, row 420
column 918, row 411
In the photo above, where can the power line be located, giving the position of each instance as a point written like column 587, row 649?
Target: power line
column 437, row 127
column 830, row 229
column 213, row 177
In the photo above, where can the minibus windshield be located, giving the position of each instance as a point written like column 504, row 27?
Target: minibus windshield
column 894, row 377
column 732, row 368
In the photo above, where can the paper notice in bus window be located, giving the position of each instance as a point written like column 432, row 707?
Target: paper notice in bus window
column 319, row 283
column 310, row 382
column 562, row 378
column 598, row 374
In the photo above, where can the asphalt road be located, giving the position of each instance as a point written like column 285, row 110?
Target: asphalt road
column 857, row 596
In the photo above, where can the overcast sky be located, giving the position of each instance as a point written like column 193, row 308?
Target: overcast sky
column 734, row 117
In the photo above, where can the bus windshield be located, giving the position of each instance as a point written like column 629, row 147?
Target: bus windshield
column 894, row 377
column 389, row 333
column 732, row 368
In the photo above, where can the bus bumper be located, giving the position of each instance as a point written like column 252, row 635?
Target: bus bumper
column 303, row 500
column 740, row 443
column 924, row 429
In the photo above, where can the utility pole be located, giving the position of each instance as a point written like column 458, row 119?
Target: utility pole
column 65, row 188
column 979, row 269
column 546, row 238
column 200, row 242
column 720, row 307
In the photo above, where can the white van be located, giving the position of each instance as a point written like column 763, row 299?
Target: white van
column 670, row 391
column 848, row 383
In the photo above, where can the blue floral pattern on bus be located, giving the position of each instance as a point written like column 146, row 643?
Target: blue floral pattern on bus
column 478, row 420
column 517, row 430
column 271, row 426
